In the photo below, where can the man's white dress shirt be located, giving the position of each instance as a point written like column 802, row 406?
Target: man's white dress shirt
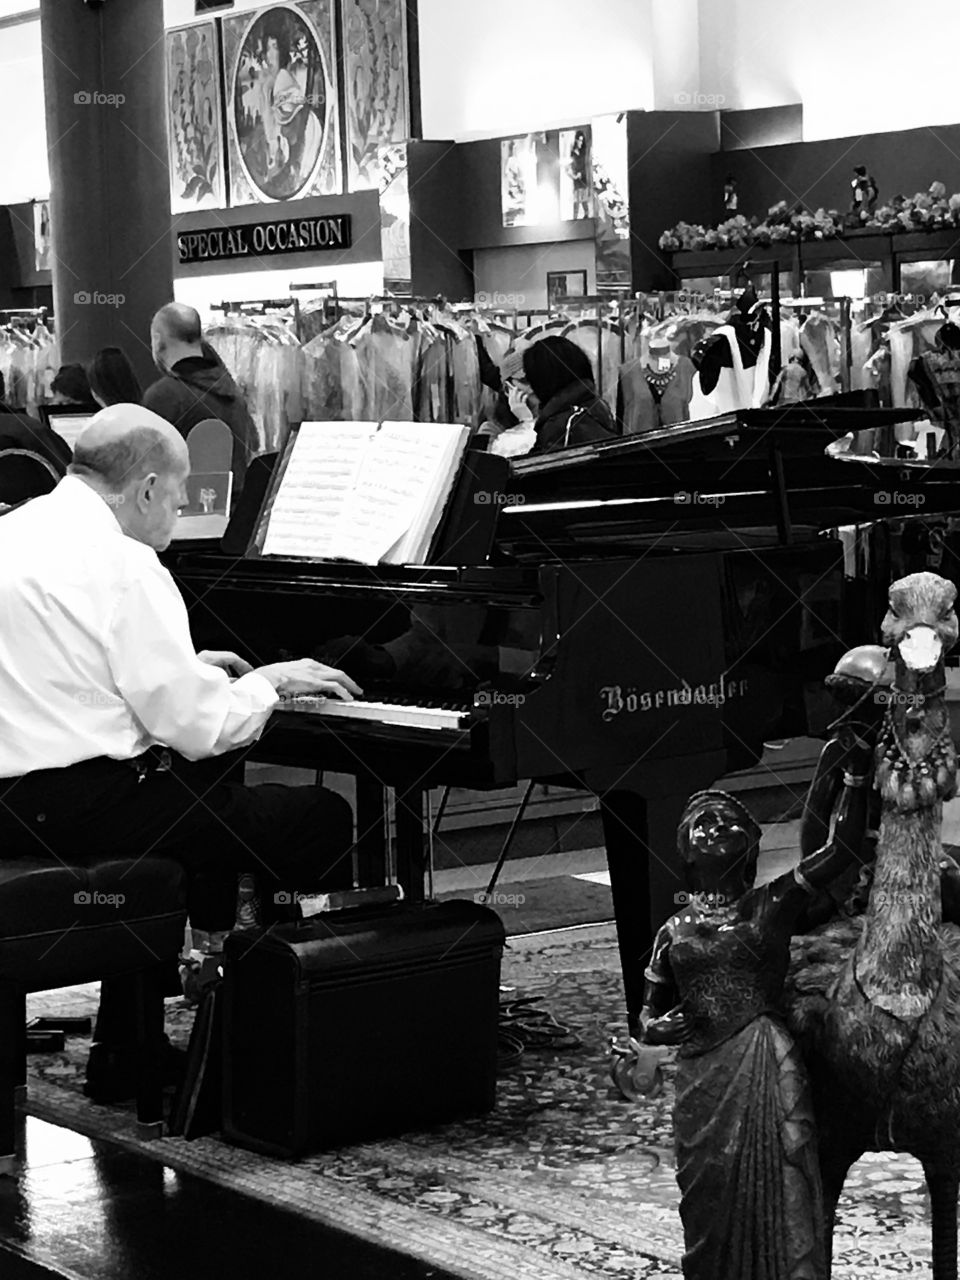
column 95, row 651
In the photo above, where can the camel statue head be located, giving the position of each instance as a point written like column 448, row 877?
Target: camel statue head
column 920, row 625
column 916, row 759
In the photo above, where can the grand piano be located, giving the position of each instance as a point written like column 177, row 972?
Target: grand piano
column 633, row 619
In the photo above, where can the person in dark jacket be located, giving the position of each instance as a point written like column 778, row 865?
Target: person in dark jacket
column 112, row 379
column 570, row 412
column 195, row 384
column 20, row 431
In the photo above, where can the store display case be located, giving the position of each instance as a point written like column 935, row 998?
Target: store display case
column 926, row 262
column 857, row 264
column 711, row 269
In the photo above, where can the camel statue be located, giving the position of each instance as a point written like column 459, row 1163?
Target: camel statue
column 874, row 1000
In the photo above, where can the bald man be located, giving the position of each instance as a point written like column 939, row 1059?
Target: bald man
column 109, row 719
column 195, row 385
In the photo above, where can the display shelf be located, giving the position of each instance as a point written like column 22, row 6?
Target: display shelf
column 850, row 250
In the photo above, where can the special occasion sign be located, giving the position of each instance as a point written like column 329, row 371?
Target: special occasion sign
column 256, row 239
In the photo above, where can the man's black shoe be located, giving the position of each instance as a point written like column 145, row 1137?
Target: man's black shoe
column 112, row 1072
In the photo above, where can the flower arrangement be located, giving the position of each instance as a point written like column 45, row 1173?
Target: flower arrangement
column 925, row 211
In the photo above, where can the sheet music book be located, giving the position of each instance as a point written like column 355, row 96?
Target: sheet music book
column 351, row 491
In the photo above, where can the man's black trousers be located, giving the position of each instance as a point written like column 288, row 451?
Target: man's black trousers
column 294, row 839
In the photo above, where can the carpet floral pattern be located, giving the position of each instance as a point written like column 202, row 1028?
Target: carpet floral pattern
column 563, row 1180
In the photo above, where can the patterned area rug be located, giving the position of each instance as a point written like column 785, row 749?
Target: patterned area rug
column 564, row 1181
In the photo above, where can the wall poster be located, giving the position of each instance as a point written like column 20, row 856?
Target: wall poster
column 42, row 237
column 528, row 196
column 282, row 115
column 193, row 118
column 395, row 218
column 576, row 179
column 376, row 84
column 611, row 174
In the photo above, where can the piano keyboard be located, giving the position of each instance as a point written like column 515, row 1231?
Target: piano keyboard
column 419, row 717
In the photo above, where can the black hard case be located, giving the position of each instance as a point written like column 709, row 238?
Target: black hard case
column 352, row 1026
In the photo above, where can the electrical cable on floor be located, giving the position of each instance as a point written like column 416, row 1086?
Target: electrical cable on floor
column 524, row 1028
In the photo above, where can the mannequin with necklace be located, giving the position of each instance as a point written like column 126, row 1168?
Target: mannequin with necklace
column 656, row 392
column 744, row 1128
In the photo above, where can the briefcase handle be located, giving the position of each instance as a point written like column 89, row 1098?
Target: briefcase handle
column 348, row 900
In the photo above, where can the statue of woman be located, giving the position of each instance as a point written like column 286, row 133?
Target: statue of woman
column 743, row 1122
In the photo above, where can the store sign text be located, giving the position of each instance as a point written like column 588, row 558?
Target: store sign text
column 255, row 239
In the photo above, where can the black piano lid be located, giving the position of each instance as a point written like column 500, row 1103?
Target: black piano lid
column 794, row 429
column 511, row 584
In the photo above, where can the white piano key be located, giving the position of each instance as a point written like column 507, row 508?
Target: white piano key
column 382, row 712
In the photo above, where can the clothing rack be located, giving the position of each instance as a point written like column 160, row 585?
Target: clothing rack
column 319, row 286
column 262, row 307
column 25, row 315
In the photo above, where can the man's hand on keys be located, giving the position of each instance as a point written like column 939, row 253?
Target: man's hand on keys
column 304, row 675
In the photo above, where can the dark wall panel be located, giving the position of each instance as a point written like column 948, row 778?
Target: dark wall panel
column 670, row 157
column 761, row 127
column 819, row 173
column 436, row 233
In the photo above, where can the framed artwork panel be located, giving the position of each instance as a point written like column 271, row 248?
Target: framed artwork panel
column 283, row 131
column 376, row 90
column 194, row 114
column 565, row 284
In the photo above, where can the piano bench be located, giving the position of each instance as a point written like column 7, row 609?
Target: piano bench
column 67, row 923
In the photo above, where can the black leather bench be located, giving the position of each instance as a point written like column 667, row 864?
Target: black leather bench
column 66, row 923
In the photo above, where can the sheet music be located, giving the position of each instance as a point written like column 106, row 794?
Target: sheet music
column 403, row 467
column 320, row 476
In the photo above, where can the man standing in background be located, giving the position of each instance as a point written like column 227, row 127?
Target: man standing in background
column 195, row 384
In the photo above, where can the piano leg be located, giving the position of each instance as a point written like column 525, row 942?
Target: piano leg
column 371, row 832
column 641, row 838
column 411, row 841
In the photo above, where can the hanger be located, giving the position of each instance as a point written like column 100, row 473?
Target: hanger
column 948, row 335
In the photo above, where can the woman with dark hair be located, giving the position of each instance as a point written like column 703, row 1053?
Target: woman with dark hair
column 112, row 379
column 579, row 170
column 70, row 386
column 559, row 374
